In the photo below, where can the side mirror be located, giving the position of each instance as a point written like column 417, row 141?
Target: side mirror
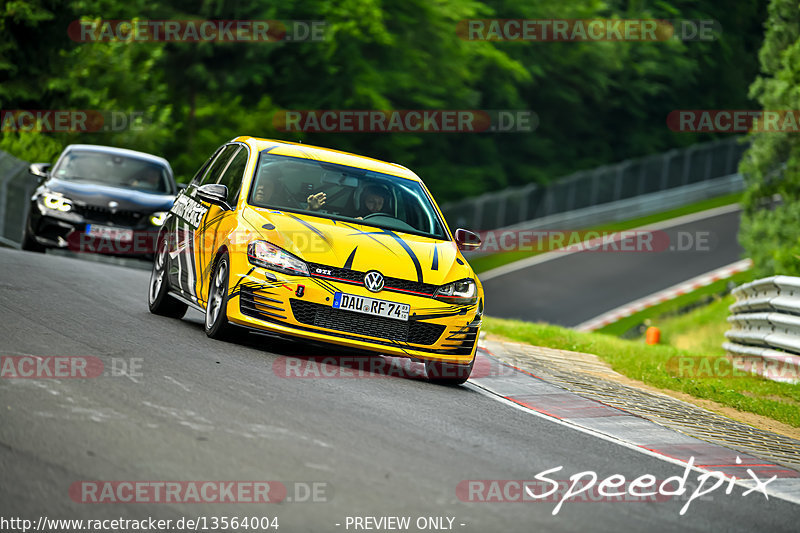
column 214, row 193
column 40, row 170
column 467, row 240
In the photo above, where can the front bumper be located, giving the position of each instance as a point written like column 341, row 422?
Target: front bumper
column 435, row 331
column 68, row 231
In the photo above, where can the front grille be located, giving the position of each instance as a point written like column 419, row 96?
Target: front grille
column 357, row 278
column 323, row 316
column 93, row 213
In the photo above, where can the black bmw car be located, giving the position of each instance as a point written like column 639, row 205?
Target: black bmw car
column 99, row 199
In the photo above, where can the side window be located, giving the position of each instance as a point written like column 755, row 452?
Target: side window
column 199, row 174
column 219, row 164
column 232, row 178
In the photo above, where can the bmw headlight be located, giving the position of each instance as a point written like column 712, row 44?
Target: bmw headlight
column 266, row 255
column 462, row 292
column 57, row 202
column 157, row 219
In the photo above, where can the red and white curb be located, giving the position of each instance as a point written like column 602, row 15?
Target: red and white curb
column 665, row 295
column 522, row 390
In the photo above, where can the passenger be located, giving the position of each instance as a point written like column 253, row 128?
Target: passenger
column 265, row 192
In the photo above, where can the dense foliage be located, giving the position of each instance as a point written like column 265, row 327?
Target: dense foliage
column 597, row 102
column 770, row 231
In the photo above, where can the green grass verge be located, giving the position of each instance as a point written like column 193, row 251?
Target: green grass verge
column 657, row 313
column 701, row 331
column 658, row 366
column 483, row 263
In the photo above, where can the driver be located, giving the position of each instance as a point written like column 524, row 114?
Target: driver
column 149, row 178
column 373, row 200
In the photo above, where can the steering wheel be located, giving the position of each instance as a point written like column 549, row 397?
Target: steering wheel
column 372, row 215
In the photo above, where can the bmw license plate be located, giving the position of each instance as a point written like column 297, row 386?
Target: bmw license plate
column 109, row 232
column 370, row 306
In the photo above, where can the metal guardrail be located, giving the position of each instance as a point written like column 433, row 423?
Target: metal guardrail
column 765, row 328
column 16, row 186
column 612, row 183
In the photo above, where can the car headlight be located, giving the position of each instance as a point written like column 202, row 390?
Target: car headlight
column 266, row 255
column 57, row 202
column 460, row 292
column 157, row 219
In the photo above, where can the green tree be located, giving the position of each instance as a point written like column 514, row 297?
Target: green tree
column 770, row 229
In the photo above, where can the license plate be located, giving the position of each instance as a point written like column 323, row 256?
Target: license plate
column 370, row 306
column 109, row 232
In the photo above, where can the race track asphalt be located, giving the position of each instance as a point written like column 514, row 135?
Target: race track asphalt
column 196, row 409
column 573, row 288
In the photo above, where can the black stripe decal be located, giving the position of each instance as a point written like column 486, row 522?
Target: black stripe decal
column 435, row 265
column 409, row 251
column 324, row 285
column 312, row 228
column 370, row 235
column 348, row 265
column 242, row 278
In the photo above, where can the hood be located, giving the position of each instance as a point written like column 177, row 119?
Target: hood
column 99, row 195
column 360, row 247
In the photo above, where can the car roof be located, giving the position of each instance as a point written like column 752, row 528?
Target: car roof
column 118, row 151
column 327, row 155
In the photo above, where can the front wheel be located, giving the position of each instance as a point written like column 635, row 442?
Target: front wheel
column 448, row 373
column 216, row 323
column 158, row 299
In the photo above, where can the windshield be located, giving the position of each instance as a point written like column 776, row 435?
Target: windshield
column 113, row 170
column 348, row 193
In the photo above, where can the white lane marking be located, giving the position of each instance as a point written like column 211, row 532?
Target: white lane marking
column 318, row 467
column 555, row 254
column 664, row 295
column 176, row 382
column 692, row 217
column 745, row 483
column 185, row 417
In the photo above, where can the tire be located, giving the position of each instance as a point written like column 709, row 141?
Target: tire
column 216, row 322
column 448, row 373
column 158, row 299
column 29, row 243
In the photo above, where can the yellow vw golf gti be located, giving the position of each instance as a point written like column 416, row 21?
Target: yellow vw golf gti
column 323, row 245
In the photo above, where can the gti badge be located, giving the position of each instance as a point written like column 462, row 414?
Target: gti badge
column 112, row 205
column 373, row 281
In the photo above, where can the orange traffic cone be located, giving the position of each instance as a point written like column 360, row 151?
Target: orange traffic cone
column 652, row 335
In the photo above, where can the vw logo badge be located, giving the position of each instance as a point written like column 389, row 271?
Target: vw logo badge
column 113, row 206
column 373, row 281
